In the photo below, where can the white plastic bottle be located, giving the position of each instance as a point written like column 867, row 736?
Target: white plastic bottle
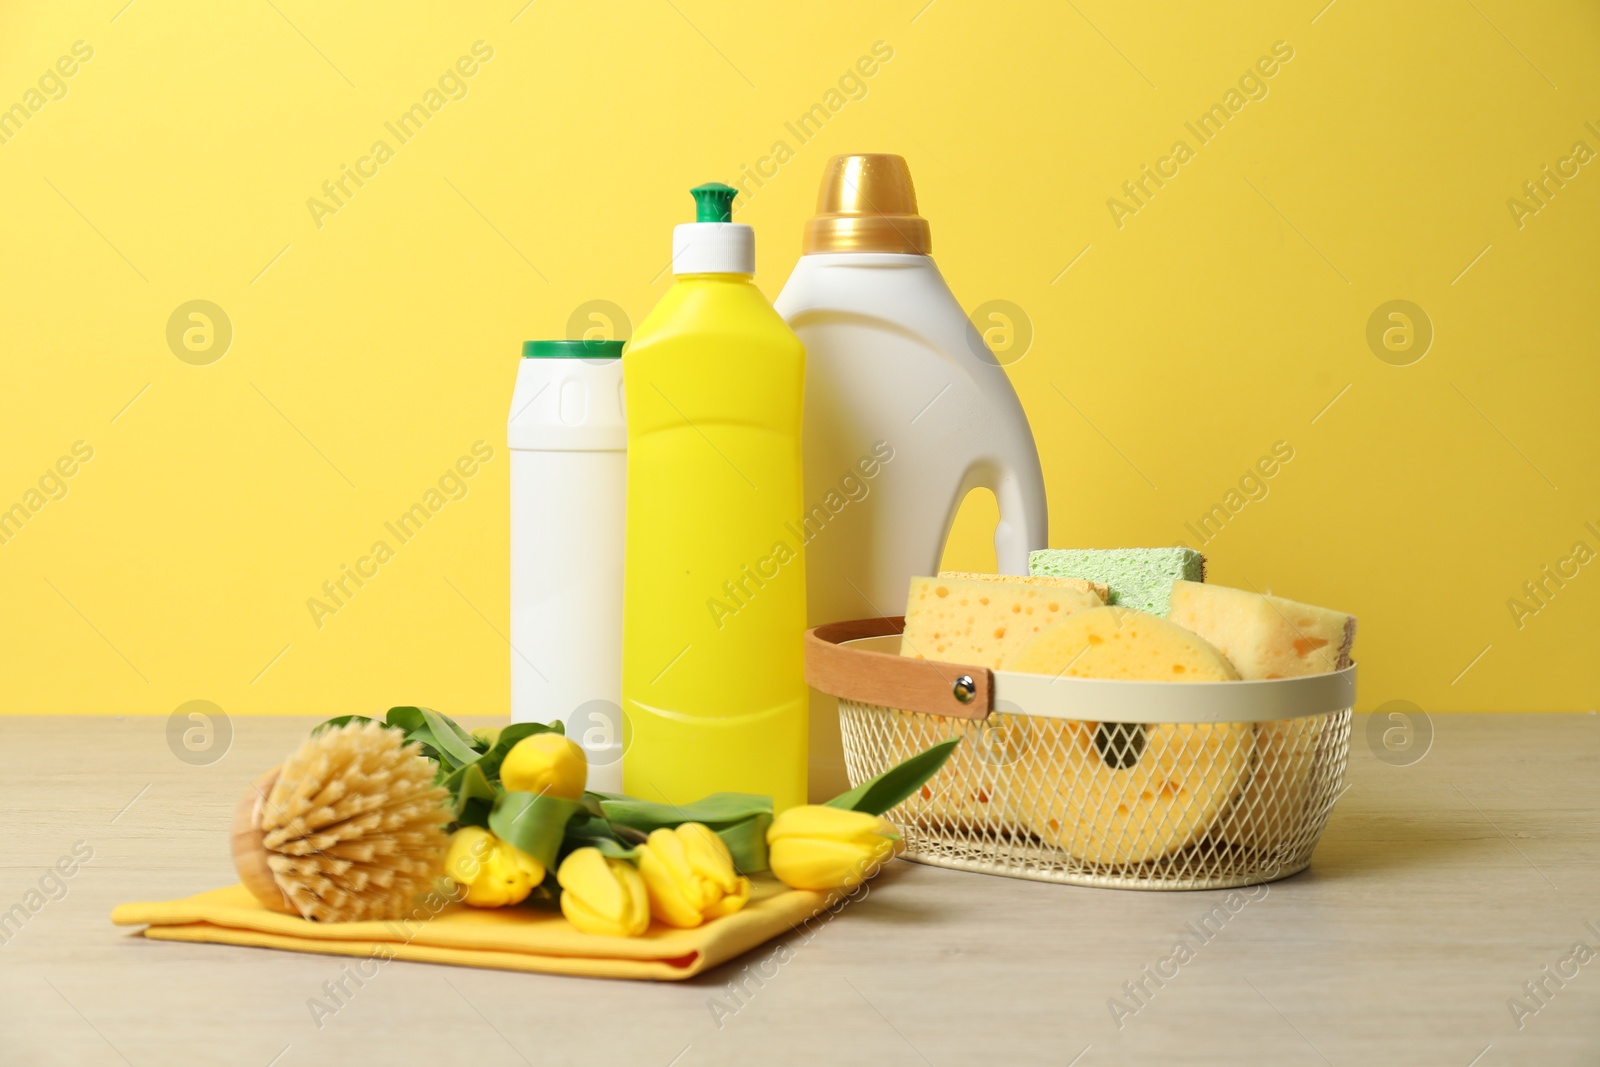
column 568, row 449
column 906, row 411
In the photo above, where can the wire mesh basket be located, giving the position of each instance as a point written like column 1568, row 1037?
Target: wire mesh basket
column 1119, row 784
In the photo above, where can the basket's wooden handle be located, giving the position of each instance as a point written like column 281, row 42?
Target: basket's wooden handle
column 954, row 690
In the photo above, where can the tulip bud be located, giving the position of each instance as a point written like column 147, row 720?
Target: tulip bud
column 603, row 896
column 690, row 875
column 817, row 847
column 545, row 763
column 493, row 872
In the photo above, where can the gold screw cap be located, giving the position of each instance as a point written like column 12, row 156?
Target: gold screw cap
column 867, row 204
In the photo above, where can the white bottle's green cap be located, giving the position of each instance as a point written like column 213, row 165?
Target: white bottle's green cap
column 569, row 349
column 713, row 243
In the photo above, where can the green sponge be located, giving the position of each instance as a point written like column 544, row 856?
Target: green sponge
column 1139, row 578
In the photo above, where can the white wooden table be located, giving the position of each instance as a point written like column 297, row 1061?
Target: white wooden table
column 1440, row 888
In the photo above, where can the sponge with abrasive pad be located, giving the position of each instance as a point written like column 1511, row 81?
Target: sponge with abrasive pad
column 1139, row 578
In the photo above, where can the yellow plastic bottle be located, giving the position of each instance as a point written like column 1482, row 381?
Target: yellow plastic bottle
column 713, row 690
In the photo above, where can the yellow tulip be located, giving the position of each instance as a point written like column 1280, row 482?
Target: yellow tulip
column 603, row 896
column 690, row 875
column 545, row 763
column 817, row 847
column 493, row 872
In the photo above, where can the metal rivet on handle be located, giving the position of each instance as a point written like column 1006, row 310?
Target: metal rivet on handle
column 965, row 689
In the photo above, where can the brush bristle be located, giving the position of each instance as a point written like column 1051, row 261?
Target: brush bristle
column 354, row 825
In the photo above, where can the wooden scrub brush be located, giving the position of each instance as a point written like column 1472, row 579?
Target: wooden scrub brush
column 351, row 827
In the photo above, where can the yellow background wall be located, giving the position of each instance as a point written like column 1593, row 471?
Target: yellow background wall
column 1228, row 313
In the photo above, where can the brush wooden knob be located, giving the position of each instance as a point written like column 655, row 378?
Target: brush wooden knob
column 249, row 845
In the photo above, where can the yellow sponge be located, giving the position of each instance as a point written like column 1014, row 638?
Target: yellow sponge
column 1264, row 636
column 975, row 620
column 1269, row 637
column 1118, row 793
column 1046, row 581
column 979, row 622
column 1121, row 643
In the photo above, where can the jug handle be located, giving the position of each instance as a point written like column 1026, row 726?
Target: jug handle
column 1024, row 521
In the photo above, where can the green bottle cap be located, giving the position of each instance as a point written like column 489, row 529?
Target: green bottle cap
column 713, row 202
column 571, row 349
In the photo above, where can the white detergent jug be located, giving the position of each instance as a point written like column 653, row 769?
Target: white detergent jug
column 906, row 411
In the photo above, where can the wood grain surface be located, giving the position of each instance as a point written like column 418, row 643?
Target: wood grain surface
column 1440, row 888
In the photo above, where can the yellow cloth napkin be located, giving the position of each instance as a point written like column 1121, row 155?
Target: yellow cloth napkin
column 515, row 939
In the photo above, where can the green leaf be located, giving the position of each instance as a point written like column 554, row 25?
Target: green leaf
column 410, row 721
column 534, row 822
column 877, row 795
column 450, row 739
column 613, row 850
column 430, row 748
column 475, row 813
column 441, row 739
column 609, row 847
column 469, row 783
column 747, row 841
column 407, row 719
column 593, row 831
column 340, row 720
column 716, row 810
